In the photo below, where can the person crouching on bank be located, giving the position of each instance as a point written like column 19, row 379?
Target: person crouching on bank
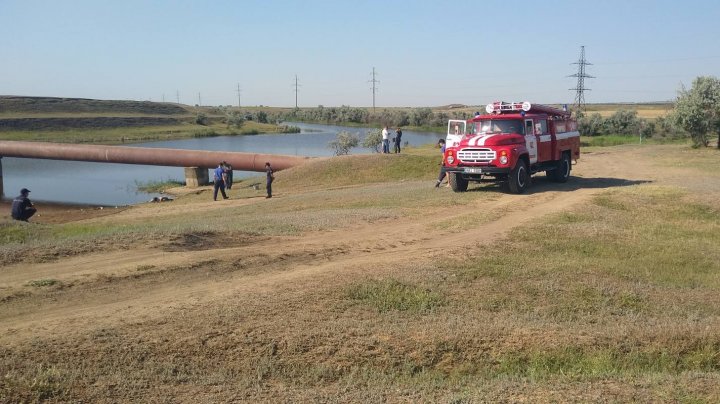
column 22, row 208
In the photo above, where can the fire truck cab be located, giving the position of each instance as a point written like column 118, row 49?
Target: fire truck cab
column 509, row 143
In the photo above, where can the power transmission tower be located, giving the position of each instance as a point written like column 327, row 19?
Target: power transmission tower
column 239, row 91
column 579, row 104
column 296, row 85
column 374, row 87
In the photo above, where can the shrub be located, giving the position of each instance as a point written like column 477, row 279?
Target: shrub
column 372, row 140
column 201, row 119
column 344, row 142
column 235, row 118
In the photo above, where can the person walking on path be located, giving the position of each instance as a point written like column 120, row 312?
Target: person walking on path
column 219, row 179
column 441, row 176
column 270, row 179
column 385, row 140
column 398, row 136
column 22, row 208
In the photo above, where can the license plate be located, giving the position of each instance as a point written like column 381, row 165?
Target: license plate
column 473, row 170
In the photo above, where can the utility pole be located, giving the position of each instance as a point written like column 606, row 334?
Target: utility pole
column 374, row 87
column 296, row 85
column 238, row 91
column 580, row 87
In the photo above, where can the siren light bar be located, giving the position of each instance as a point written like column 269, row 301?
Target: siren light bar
column 501, row 106
column 498, row 107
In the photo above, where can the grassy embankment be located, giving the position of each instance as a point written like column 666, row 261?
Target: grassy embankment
column 112, row 122
column 613, row 300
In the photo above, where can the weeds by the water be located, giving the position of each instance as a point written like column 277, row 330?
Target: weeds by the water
column 158, row 186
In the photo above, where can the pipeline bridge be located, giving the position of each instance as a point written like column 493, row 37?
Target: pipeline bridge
column 195, row 162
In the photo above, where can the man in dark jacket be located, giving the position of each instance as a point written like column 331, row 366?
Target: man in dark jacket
column 270, row 179
column 22, row 208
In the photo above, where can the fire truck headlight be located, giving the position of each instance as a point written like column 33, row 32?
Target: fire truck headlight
column 503, row 160
column 450, row 159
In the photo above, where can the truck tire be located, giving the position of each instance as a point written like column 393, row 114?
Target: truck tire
column 457, row 182
column 518, row 179
column 561, row 173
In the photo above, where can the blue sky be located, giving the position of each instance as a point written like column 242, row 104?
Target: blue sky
column 425, row 53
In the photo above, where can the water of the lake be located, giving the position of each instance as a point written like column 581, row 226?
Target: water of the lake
column 112, row 184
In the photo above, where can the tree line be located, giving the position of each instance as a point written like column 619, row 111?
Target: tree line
column 418, row 117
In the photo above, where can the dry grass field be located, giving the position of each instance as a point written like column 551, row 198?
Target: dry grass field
column 360, row 282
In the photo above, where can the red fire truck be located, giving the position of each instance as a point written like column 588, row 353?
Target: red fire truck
column 509, row 143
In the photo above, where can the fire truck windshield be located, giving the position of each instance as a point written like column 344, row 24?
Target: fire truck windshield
column 498, row 126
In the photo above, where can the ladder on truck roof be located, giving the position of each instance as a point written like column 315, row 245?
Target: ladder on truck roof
column 499, row 107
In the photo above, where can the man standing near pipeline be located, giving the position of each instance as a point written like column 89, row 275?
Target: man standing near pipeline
column 219, row 178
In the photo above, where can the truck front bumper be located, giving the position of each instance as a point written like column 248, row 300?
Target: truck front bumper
column 476, row 171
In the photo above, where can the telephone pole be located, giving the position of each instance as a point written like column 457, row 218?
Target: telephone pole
column 296, row 85
column 374, row 87
column 238, row 91
column 579, row 104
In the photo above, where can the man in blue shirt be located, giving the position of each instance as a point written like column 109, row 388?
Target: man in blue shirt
column 22, row 208
column 220, row 177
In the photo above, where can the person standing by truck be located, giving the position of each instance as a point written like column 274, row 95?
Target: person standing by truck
column 441, row 176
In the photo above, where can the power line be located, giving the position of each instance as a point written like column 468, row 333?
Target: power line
column 580, row 88
column 296, row 85
column 239, row 91
column 374, row 87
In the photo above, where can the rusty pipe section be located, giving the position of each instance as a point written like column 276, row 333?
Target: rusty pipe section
column 147, row 155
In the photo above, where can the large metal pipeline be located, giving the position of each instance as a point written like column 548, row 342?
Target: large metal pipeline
column 147, row 155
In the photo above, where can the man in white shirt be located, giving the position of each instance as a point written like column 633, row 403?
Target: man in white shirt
column 385, row 140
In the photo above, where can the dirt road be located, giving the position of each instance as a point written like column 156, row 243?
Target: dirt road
column 105, row 288
column 199, row 316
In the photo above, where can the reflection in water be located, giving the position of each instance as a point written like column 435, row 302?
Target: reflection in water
column 116, row 184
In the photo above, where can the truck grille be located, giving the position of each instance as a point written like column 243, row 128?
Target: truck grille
column 476, row 155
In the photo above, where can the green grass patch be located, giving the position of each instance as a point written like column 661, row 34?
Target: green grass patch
column 158, row 186
column 604, row 260
column 391, row 294
column 43, row 283
column 12, row 233
column 618, row 140
column 360, row 169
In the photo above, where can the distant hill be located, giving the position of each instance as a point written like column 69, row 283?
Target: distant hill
column 50, row 105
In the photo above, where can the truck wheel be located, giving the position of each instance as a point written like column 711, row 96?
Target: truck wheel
column 457, row 182
column 519, row 179
column 561, row 173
